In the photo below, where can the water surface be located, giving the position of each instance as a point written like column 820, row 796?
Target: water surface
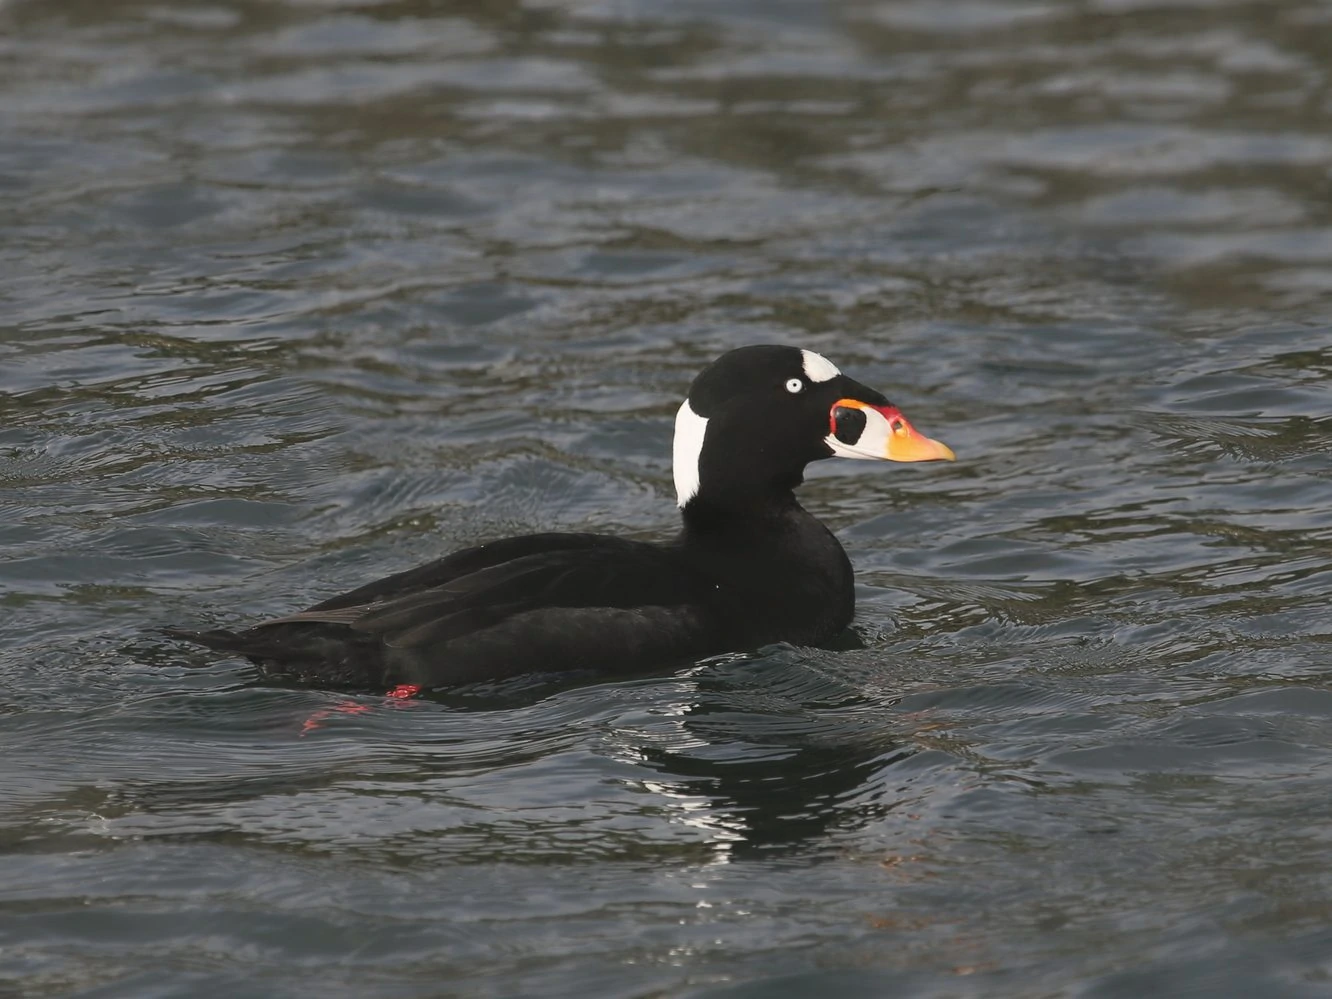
column 296, row 294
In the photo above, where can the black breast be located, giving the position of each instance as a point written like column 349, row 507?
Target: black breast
column 779, row 577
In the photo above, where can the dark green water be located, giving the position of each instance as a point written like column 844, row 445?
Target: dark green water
column 296, row 294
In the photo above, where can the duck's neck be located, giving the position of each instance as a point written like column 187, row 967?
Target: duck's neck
column 706, row 517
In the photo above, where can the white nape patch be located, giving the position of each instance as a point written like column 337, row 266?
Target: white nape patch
column 686, row 451
column 818, row 368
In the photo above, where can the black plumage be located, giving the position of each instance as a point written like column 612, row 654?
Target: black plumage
column 749, row 567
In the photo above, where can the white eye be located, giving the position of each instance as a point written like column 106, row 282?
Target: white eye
column 794, row 385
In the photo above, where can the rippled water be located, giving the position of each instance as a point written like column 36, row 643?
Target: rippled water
column 295, row 294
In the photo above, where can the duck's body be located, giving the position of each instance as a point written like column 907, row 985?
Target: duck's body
column 560, row 602
column 750, row 566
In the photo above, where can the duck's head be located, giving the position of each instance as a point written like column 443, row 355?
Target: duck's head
column 756, row 416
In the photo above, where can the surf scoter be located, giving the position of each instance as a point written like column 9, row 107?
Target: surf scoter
column 749, row 567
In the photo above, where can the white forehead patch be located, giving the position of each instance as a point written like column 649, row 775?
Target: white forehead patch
column 686, row 452
column 818, row 368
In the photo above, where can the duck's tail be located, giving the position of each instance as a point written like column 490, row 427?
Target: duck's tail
column 308, row 654
column 218, row 638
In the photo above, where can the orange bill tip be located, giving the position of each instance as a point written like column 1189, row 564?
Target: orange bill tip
column 906, row 443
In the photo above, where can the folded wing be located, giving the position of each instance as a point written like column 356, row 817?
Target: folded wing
column 542, row 603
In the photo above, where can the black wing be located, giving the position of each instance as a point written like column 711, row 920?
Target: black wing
column 469, row 560
column 567, row 602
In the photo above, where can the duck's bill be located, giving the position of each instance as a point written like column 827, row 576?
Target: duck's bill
column 879, row 433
